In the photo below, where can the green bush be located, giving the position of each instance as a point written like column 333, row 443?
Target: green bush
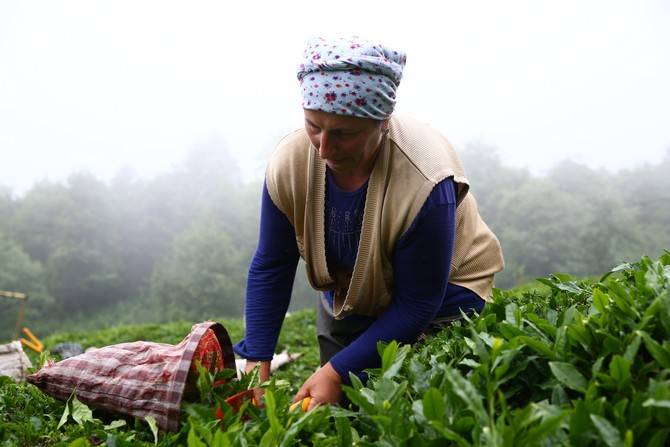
column 585, row 364
column 576, row 362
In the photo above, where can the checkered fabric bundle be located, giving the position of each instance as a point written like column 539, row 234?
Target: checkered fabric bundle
column 141, row 378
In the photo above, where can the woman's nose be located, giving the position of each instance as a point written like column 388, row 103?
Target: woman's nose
column 325, row 146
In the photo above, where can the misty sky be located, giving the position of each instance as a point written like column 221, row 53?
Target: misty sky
column 97, row 85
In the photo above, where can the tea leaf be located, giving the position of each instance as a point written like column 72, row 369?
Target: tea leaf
column 568, row 375
column 153, row 427
column 220, row 439
column 600, row 300
column 656, row 403
column 66, row 411
column 628, row 439
column 558, row 396
column 659, row 438
column 539, row 346
column 660, row 354
column 357, row 398
column 115, row 424
column 389, row 355
column 433, row 405
column 464, row 389
column 608, row 433
column 80, row 412
column 510, row 314
column 450, row 434
column 620, row 369
column 469, row 362
column 344, row 431
column 271, row 411
column 632, row 348
column 548, row 426
column 570, row 287
column 193, row 439
column 618, row 268
column 622, row 300
column 64, row 416
column 398, row 358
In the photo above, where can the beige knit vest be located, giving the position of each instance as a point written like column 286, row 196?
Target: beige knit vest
column 413, row 159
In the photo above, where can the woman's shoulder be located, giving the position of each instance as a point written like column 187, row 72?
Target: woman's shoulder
column 408, row 130
column 426, row 149
column 287, row 165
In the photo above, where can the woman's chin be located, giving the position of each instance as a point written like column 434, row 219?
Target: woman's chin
column 336, row 166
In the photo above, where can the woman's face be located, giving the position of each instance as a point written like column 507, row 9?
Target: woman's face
column 348, row 144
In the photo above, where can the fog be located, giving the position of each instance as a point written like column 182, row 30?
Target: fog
column 101, row 86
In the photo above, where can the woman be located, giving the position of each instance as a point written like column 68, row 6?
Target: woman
column 379, row 209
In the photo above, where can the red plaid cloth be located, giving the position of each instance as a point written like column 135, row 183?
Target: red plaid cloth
column 138, row 379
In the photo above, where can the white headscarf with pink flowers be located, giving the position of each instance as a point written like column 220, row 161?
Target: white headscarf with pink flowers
column 350, row 76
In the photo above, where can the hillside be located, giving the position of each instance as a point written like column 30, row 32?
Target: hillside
column 581, row 363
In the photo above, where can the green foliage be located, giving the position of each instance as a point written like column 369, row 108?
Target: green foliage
column 575, row 363
column 203, row 269
column 573, row 219
column 161, row 333
column 82, row 278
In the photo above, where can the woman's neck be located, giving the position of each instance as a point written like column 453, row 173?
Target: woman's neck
column 349, row 182
column 353, row 180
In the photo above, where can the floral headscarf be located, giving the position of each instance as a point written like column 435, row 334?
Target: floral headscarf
column 350, row 76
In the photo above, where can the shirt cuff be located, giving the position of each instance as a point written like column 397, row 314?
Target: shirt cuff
column 340, row 368
column 244, row 352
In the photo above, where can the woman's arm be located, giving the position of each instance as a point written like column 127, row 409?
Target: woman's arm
column 269, row 283
column 421, row 265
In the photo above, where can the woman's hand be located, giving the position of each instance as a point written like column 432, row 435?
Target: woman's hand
column 263, row 375
column 323, row 387
column 263, row 371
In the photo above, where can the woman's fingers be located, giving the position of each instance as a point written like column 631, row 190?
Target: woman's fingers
column 258, row 395
column 311, row 404
column 302, row 393
column 302, row 404
column 323, row 387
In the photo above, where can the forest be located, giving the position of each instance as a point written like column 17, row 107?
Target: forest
column 91, row 253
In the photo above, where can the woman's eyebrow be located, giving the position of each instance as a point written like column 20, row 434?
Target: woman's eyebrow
column 339, row 129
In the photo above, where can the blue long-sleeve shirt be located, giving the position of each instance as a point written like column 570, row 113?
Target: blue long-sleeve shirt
column 421, row 261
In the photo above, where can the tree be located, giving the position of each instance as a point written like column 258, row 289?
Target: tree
column 490, row 180
column 7, row 209
column 201, row 277
column 83, row 280
column 19, row 273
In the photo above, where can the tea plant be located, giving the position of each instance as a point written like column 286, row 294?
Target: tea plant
column 586, row 364
column 583, row 362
